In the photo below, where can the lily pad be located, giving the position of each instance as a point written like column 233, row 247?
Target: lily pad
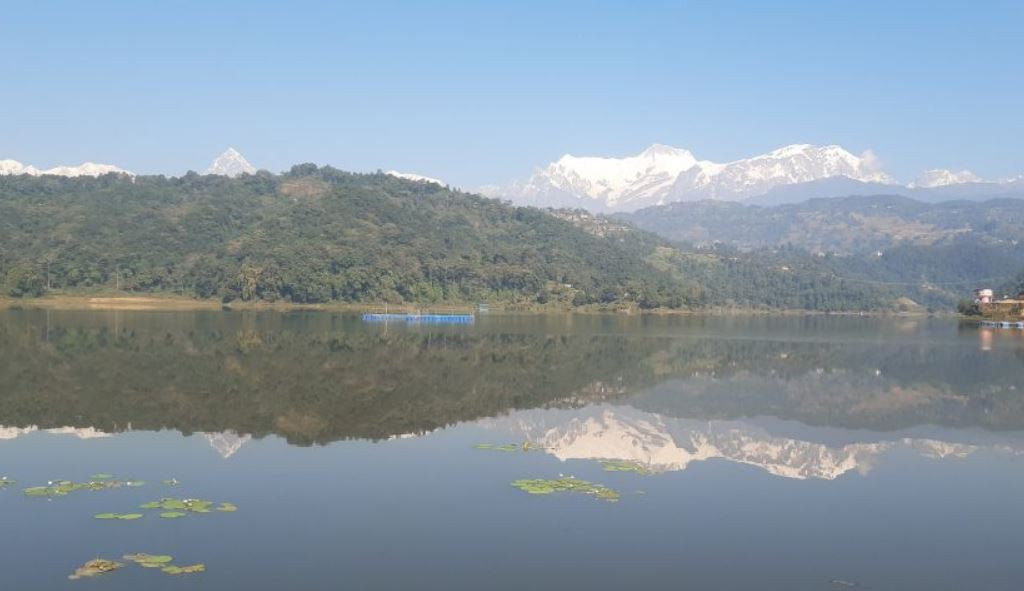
column 149, row 560
column 172, row 514
column 540, row 486
column 121, row 516
column 5, row 482
column 626, row 466
column 171, row 482
column 102, row 476
column 60, row 488
column 173, row 505
column 506, row 447
column 99, row 566
column 184, row 570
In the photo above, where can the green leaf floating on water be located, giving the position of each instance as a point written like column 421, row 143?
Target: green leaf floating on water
column 149, row 560
column 184, row 570
column 174, row 508
column 541, row 486
column 102, row 476
column 121, row 516
column 506, row 447
column 625, row 466
column 60, row 488
column 94, row 568
column 5, row 482
column 171, row 482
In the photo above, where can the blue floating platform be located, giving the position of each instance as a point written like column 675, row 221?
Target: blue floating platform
column 421, row 318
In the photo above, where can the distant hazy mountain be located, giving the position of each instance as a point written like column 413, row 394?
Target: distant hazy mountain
column 663, row 174
column 942, row 189
column 13, row 167
column 844, row 225
column 941, row 177
column 231, row 164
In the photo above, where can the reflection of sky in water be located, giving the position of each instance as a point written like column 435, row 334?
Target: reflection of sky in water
column 785, row 454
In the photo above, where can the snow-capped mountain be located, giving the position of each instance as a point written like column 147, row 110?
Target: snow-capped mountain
column 415, row 177
column 941, row 177
column 230, row 163
column 84, row 169
column 662, row 444
column 663, row 174
column 227, row 443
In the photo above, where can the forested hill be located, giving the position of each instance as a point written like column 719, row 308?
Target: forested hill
column 310, row 235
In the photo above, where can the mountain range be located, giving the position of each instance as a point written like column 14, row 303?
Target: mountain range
column 663, row 174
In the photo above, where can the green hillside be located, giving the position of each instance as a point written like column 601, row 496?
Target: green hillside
column 307, row 236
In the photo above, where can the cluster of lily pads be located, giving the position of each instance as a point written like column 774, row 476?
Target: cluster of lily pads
column 102, row 566
column 60, row 488
column 176, row 508
column 507, row 447
column 625, row 466
column 163, row 562
column 566, row 484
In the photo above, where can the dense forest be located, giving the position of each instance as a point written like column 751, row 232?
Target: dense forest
column 307, row 236
column 314, row 235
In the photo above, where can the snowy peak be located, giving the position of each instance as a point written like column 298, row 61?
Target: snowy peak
column 14, row 167
column 662, row 174
column 419, row 178
column 230, row 163
column 941, row 177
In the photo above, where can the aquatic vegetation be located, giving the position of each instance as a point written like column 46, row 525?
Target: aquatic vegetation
column 171, row 482
column 60, row 488
column 163, row 562
column 184, row 570
column 5, row 482
column 506, row 447
column 121, row 516
column 102, row 476
column 174, row 508
column 625, row 466
column 96, row 567
column 569, row 484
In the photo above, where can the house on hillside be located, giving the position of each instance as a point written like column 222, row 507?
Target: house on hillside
column 983, row 296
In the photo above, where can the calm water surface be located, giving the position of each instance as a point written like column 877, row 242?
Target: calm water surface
column 783, row 453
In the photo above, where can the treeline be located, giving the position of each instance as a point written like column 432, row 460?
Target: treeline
column 310, row 235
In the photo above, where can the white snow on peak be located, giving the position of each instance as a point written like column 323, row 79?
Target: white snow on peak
column 227, row 443
column 13, row 167
column 409, row 176
column 941, row 177
column 662, row 174
column 230, row 163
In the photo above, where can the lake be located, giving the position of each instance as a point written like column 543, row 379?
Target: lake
column 754, row 452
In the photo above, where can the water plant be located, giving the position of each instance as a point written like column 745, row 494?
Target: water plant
column 566, row 484
column 60, row 488
column 163, row 562
column 626, row 466
column 173, row 508
column 102, row 476
column 506, row 447
column 184, row 570
column 95, row 567
column 5, row 482
column 171, row 482
column 120, row 516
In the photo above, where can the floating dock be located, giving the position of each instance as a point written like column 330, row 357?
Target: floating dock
column 1003, row 324
column 421, row 318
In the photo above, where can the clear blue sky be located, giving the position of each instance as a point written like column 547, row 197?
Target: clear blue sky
column 480, row 92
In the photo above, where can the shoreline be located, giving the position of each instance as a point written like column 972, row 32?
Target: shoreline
column 160, row 302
